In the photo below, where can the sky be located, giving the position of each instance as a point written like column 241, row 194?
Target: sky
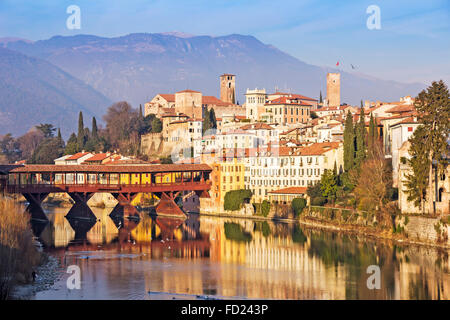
column 411, row 45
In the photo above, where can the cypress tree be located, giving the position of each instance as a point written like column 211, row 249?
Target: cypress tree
column 320, row 97
column 206, row 121
column 372, row 134
column 141, row 115
column 349, row 143
column 212, row 119
column 81, row 132
column 360, row 139
column 94, row 129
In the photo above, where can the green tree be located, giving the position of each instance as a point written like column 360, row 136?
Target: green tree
column 298, row 204
column 329, row 185
column 81, row 138
column 94, row 133
column 371, row 139
column 429, row 141
column 235, row 198
column 320, row 97
column 47, row 151
column 141, row 115
column 313, row 115
column 360, row 139
column 349, row 143
column 206, row 121
column 156, row 125
column 9, row 149
column 47, row 129
column 72, row 145
column 60, row 139
column 212, row 119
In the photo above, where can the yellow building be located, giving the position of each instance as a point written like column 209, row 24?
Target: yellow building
column 228, row 174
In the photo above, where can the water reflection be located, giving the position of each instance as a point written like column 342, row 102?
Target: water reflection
column 125, row 257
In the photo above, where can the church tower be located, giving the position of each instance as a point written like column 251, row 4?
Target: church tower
column 228, row 88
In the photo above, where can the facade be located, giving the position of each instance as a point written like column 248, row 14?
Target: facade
column 334, row 89
column 254, row 103
column 442, row 185
column 282, row 167
column 400, row 133
column 287, row 111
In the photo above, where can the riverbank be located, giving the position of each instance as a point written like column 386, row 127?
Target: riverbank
column 46, row 275
column 370, row 232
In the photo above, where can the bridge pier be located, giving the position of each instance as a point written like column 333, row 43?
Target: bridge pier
column 168, row 207
column 34, row 207
column 80, row 209
column 124, row 208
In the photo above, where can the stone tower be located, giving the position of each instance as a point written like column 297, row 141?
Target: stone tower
column 228, row 88
column 334, row 89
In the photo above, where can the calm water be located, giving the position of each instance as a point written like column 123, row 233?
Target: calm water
column 156, row 258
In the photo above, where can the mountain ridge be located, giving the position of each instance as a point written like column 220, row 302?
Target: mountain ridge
column 34, row 91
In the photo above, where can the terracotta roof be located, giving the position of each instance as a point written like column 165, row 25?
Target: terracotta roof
column 112, row 168
column 97, row 157
column 187, row 90
column 168, row 97
column 77, row 155
column 215, row 101
column 293, row 95
column 292, row 100
column 401, row 109
column 257, row 126
column 290, row 190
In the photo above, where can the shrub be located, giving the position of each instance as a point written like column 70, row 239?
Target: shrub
column 265, row 208
column 318, row 201
column 298, row 204
column 235, row 198
column 18, row 255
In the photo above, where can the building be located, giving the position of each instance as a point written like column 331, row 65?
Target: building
column 74, row 159
column 442, row 185
column 400, row 133
column 287, row 111
column 278, row 167
column 228, row 88
column 254, row 103
column 333, row 89
column 313, row 102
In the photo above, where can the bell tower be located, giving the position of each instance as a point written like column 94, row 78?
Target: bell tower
column 228, row 88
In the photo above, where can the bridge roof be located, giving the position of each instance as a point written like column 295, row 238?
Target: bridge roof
column 5, row 168
column 148, row 168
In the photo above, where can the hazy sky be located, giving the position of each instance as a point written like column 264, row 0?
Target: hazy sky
column 413, row 43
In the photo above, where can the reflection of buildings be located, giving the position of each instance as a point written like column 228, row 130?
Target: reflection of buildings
column 278, row 261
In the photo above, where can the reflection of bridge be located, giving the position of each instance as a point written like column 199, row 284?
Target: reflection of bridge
column 81, row 182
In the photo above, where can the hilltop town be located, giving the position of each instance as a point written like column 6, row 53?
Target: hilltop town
column 271, row 156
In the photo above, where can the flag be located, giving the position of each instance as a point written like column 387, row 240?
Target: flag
column 337, row 63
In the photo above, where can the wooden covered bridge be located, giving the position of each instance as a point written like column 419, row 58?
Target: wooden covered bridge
column 124, row 182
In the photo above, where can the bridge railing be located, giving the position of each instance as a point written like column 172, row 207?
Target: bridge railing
column 54, row 185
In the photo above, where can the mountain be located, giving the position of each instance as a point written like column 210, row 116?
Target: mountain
column 34, row 91
column 137, row 66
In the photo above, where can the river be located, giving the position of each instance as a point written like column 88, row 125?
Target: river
column 211, row 257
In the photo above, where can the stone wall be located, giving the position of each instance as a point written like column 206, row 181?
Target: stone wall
column 424, row 228
column 209, row 206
